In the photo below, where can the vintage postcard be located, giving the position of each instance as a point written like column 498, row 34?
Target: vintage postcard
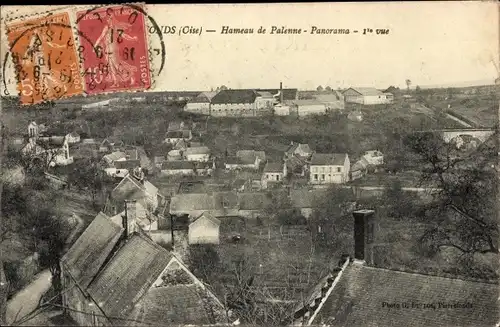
column 281, row 164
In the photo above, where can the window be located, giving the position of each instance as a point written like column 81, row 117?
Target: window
column 277, row 177
column 322, row 170
column 313, row 169
column 339, row 169
column 315, row 177
column 322, row 177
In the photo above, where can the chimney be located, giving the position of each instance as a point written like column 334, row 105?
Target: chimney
column 363, row 236
column 281, row 92
column 128, row 220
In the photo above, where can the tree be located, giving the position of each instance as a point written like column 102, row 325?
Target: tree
column 319, row 88
column 328, row 88
column 408, row 84
column 222, row 88
column 204, row 261
column 463, row 214
column 327, row 221
column 31, row 214
column 86, row 175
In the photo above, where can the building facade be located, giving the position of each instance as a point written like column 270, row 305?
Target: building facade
column 329, row 168
column 367, row 96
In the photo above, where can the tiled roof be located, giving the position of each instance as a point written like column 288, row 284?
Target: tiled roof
column 208, row 216
column 330, row 97
column 173, row 304
column 304, row 147
column 234, row 96
column 197, row 150
column 273, row 167
column 336, row 159
column 357, row 300
column 88, row 253
column 128, row 275
column 117, row 155
column 248, row 156
column 367, row 91
column 202, row 201
column 130, row 188
column 183, row 164
column 193, row 201
column 203, row 97
column 127, row 164
column 132, row 154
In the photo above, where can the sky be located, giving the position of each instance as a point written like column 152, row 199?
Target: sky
column 430, row 43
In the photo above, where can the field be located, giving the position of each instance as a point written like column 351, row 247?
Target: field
column 480, row 109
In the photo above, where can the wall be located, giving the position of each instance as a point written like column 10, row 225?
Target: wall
column 198, row 108
column 198, row 157
column 331, row 174
column 203, row 231
column 375, row 99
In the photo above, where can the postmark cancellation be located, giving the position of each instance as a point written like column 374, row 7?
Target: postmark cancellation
column 77, row 51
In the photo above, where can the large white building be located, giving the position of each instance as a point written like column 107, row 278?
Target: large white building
column 367, row 96
column 328, row 168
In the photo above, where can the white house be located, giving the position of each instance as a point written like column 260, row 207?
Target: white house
column 201, row 154
column 73, row 137
column 274, row 172
column 204, row 229
column 234, row 103
column 173, row 137
column 54, row 151
column 302, row 150
column 366, row 96
column 374, row 157
column 186, row 168
column 281, row 110
column 327, row 168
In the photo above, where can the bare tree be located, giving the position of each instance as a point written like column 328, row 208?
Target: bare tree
column 408, row 84
column 464, row 212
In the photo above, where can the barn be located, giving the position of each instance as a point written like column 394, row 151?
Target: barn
column 366, row 96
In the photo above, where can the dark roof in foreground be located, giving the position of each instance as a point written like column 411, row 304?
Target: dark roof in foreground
column 91, row 249
column 128, row 275
column 359, row 296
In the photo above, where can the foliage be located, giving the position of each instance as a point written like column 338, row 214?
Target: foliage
column 328, row 218
column 30, row 213
column 204, row 261
column 319, row 88
column 86, row 175
column 464, row 212
column 400, row 204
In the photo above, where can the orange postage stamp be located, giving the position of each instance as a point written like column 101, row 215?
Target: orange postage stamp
column 45, row 58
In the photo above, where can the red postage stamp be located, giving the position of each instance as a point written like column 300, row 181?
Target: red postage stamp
column 45, row 59
column 114, row 49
